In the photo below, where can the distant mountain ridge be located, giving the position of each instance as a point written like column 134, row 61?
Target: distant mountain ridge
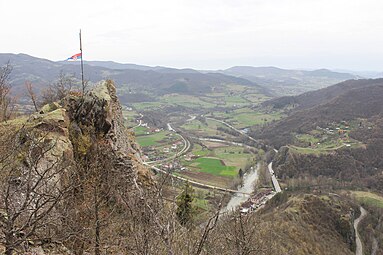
column 159, row 80
column 271, row 81
column 120, row 66
column 274, row 72
column 289, row 82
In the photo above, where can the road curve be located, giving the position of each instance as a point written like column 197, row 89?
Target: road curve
column 199, row 184
column 359, row 246
column 221, row 141
column 237, row 130
column 184, row 150
column 181, row 152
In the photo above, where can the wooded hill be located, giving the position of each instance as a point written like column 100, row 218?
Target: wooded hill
column 359, row 101
column 341, row 102
column 157, row 80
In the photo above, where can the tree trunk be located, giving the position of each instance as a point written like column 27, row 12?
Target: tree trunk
column 9, row 243
column 97, row 225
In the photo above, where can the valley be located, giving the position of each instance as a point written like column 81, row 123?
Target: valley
column 239, row 149
column 191, row 127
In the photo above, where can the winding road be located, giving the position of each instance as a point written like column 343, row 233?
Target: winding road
column 183, row 151
column 180, row 153
column 359, row 246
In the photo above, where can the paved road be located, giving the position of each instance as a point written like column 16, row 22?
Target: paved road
column 170, row 127
column 274, row 179
column 180, row 153
column 230, row 126
column 184, row 150
column 139, row 124
column 222, row 141
column 199, row 184
column 359, row 246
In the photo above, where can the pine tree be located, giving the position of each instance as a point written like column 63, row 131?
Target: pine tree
column 185, row 208
column 240, row 173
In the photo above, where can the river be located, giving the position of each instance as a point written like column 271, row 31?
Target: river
column 248, row 187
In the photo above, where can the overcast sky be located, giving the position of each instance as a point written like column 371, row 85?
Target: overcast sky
column 203, row 34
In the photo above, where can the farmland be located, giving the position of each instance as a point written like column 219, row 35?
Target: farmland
column 209, row 162
column 214, row 166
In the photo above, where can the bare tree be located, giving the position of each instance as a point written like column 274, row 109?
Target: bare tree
column 6, row 102
column 210, row 226
column 31, row 188
column 59, row 89
column 31, row 94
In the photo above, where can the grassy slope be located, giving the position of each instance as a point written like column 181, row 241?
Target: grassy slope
column 369, row 198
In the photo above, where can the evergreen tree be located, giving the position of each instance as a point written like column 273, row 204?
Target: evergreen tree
column 240, row 173
column 185, row 208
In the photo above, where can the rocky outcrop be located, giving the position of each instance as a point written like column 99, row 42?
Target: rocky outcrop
column 77, row 156
column 98, row 116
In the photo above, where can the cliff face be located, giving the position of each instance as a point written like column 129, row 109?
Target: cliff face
column 77, row 122
column 98, row 117
column 73, row 163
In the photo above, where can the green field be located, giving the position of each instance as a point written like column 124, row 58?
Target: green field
column 148, row 105
column 130, row 118
column 230, row 96
column 199, row 151
column 256, row 98
column 214, row 166
column 186, row 100
column 140, row 130
column 233, row 156
column 317, row 151
column 246, row 117
column 203, row 130
column 320, row 143
column 150, row 140
column 369, row 198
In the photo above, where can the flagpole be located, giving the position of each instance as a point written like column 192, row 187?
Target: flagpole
column 82, row 67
